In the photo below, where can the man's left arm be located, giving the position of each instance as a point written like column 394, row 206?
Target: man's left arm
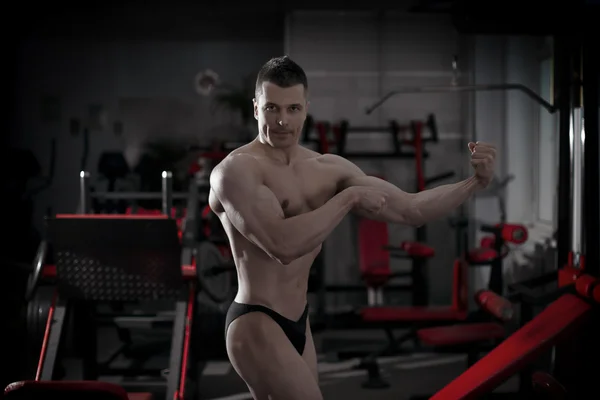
column 420, row 208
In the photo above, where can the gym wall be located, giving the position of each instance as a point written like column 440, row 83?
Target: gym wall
column 352, row 59
column 139, row 75
column 510, row 119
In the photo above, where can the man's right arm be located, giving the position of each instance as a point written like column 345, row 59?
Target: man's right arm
column 256, row 213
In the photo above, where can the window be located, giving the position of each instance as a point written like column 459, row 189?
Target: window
column 546, row 146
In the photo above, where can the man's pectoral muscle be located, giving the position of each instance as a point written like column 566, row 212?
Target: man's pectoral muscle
column 255, row 212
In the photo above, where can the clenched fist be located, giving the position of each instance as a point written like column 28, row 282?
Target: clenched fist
column 369, row 199
column 483, row 160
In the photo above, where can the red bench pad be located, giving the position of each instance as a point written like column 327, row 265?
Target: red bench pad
column 461, row 333
column 67, row 390
column 416, row 249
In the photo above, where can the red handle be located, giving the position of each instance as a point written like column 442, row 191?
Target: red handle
column 494, row 304
column 514, row 233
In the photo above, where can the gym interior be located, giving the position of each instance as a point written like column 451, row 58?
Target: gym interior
column 118, row 275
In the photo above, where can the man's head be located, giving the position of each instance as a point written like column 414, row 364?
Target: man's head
column 280, row 105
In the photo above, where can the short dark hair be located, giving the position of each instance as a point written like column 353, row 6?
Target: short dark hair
column 281, row 71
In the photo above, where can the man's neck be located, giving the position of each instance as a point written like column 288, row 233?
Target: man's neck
column 285, row 155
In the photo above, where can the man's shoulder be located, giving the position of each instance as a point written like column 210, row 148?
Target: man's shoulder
column 332, row 159
column 233, row 165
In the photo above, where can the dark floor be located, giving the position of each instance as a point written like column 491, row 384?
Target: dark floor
column 408, row 375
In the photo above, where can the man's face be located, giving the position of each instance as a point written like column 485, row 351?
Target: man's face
column 280, row 113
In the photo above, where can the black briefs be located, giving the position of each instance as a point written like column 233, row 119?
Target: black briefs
column 294, row 330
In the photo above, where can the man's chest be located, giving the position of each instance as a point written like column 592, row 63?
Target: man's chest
column 302, row 188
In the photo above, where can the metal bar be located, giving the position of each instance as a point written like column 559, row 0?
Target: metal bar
column 591, row 210
column 138, row 195
column 577, row 157
column 189, row 227
column 167, row 192
column 361, row 288
column 130, row 371
column 372, row 129
column 176, row 349
column 562, row 78
column 84, row 192
column 58, row 321
column 466, row 88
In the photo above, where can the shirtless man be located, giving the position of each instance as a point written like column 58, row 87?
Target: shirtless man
column 278, row 202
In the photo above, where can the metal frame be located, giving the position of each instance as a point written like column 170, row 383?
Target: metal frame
column 63, row 308
column 577, row 240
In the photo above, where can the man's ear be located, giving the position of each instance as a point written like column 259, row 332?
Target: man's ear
column 255, row 106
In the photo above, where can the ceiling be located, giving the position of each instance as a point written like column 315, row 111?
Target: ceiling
column 181, row 20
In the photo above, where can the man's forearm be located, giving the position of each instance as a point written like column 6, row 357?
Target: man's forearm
column 439, row 202
column 302, row 234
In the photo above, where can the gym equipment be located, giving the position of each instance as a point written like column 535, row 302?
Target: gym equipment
column 448, row 321
column 454, row 87
column 216, row 273
column 341, row 131
column 74, row 282
column 416, row 251
column 494, row 249
column 566, row 314
column 569, row 323
column 394, row 129
column 419, row 264
column 117, row 258
column 374, row 255
column 70, row 390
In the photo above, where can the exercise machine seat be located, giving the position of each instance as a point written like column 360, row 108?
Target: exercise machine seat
column 461, row 333
column 70, row 390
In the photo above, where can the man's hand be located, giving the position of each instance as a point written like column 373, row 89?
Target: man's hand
column 483, row 160
column 370, row 200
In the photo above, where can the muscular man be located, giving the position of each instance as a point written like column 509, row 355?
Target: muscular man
column 278, row 202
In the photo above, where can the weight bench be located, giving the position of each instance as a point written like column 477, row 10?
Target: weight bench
column 392, row 317
column 472, row 337
column 556, row 322
column 113, row 258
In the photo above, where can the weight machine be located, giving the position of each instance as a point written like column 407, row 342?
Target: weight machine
column 121, row 259
column 570, row 321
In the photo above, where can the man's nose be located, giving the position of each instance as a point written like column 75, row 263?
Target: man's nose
column 282, row 119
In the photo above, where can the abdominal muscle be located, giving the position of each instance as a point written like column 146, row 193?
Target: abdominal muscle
column 262, row 280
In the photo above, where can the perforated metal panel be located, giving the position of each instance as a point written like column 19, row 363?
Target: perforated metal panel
column 116, row 259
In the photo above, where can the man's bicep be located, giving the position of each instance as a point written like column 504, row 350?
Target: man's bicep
column 250, row 206
column 347, row 171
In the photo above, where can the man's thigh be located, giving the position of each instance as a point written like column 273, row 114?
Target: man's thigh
column 310, row 353
column 266, row 360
